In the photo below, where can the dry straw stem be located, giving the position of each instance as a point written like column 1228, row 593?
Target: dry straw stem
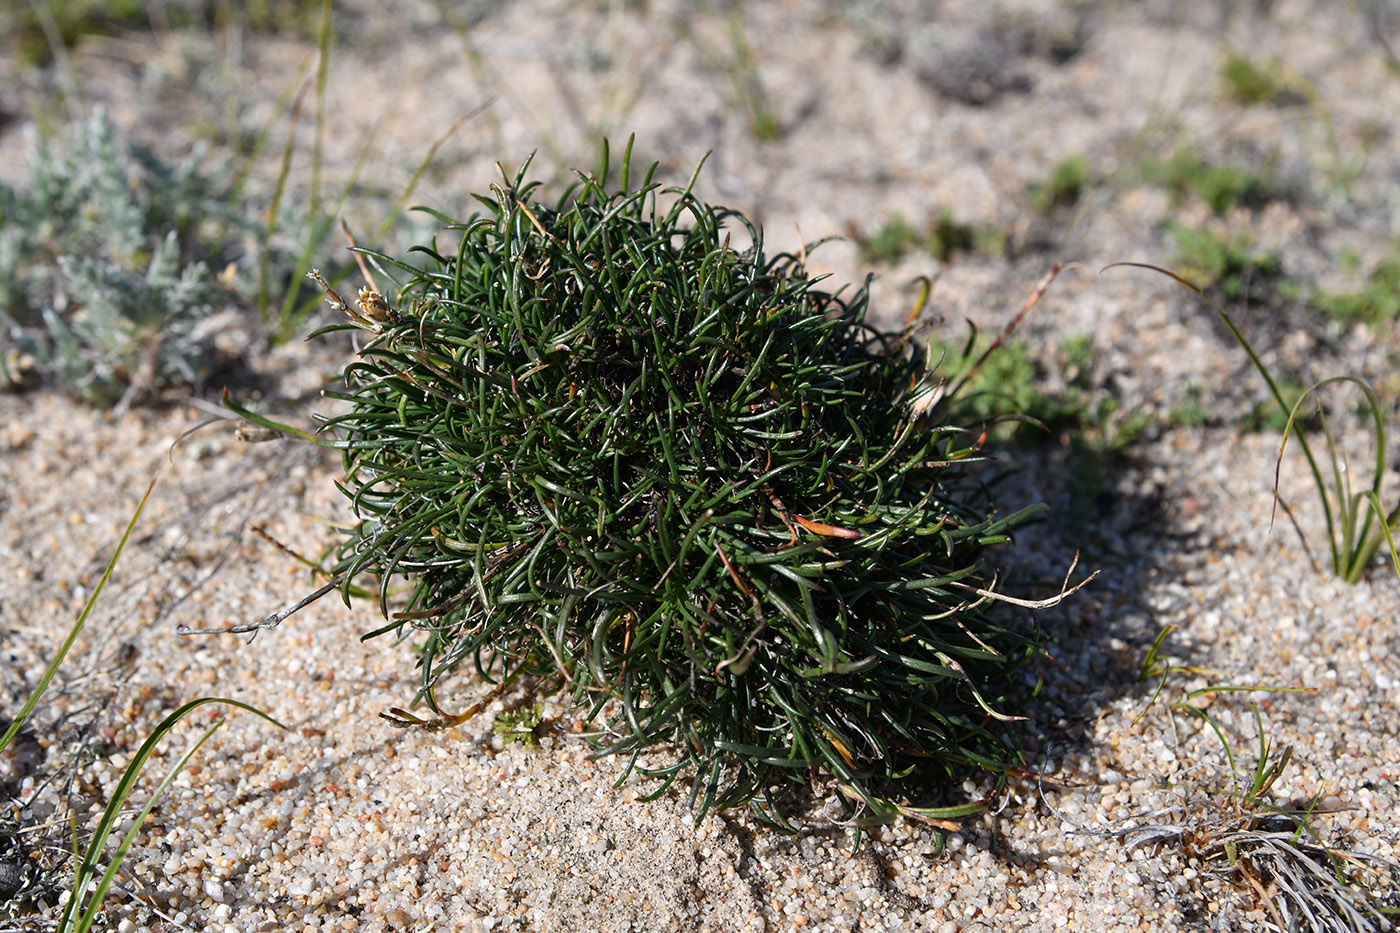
column 592, row 444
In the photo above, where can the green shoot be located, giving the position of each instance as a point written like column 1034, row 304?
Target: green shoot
column 1063, row 187
column 1357, row 522
column 1271, row 851
column 86, row 873
column 521, row 725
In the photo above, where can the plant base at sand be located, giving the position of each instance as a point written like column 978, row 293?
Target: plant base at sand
column 1275, row 853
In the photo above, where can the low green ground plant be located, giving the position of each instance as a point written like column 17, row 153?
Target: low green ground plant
column 1275, row 852
column 1186, row 173
column 1254, row 84
column 892, row 242
column 1007, row 391
column 949, row 236
column 1063, row 187
column 113, row 261
column 1376, row 303
column 1191, row 411
column 591, row 442
column 105, row 264
column 523, row 725
column 1226, row 262
column 943, row 238
column 1249, row 82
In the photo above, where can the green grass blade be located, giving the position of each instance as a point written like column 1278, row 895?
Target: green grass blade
column 1214, row 727
column 1244, row 688
column 73, row 633
column 1359, row 540
column 1265, row 772
column 249, row 158
column 323, row 60
column 1149, row 666
column 88, row 868
column 1387, row 523
column 1166, row 673
column 1264, row 372
column 288, row 314
column 274, row 209
column 926, row 814
column 423, row 167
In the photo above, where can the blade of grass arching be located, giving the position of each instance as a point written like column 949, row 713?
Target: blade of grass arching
column 1149, row 666
column 1236, row 688
column 1283, row 406
column 1358, row 545
column 268, row 423
column 1214, row 727
column 1263, row 370
column 1368, row 541
column 62, row 652
column 1166, row 673
column 87, row 870
column 1345, row 514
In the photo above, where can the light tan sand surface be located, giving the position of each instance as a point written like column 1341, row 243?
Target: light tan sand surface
column 821, row 119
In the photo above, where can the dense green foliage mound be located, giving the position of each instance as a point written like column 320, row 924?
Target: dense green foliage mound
column 685, row 485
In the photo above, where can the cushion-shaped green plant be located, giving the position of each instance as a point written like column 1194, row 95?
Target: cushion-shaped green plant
column 686, row 486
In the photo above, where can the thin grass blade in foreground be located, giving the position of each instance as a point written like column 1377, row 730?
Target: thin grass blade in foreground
column 76, row 630
column 87, row 869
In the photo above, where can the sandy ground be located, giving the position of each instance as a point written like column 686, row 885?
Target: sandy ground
column 821, row 119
